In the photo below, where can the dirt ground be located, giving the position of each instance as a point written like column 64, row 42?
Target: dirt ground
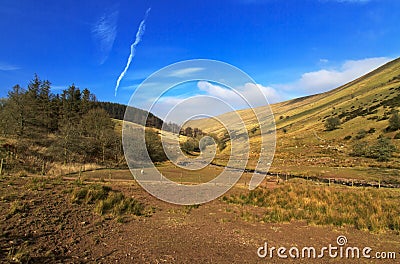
column 49, row 228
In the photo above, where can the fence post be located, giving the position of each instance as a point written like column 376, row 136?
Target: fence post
column 1, row 167
column 80, row 173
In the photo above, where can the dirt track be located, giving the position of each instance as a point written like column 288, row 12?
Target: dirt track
column 51, row 229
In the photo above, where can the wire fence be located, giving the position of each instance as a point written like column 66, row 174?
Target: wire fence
column 13, row 166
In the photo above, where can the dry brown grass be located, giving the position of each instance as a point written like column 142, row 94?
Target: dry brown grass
column 375, row 210
column 64, row 169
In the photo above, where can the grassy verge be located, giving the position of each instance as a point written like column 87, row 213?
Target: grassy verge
column 375, row 210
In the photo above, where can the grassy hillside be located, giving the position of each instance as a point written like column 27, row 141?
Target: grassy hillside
column 304, row 145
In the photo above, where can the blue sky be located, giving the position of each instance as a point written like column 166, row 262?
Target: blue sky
column 290, row 48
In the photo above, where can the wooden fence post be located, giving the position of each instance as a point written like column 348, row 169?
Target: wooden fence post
column 80, row 174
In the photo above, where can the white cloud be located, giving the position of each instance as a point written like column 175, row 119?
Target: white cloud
column 8, row 67
column 249, row 91
column 327, row 79
column 104, row 32
column 216, row 90
column 185, row 72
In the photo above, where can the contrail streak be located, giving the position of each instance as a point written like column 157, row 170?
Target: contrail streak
column 139, row 35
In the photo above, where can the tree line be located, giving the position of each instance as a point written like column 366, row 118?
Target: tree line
column 138, row 116
column 38, row 126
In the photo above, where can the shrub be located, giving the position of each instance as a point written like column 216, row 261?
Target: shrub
column 332, row 123
column 397, row 136
column 394, row 121
column 382, row 150
column 359, row 149
column 347, row 137
column 190, row 145
column 361, row 134
column 154, row 146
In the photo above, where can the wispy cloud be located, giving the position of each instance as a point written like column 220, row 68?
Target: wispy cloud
column 104, row 32
column 323, row 61
column 139, row 35
column 143, row 85
column 185, row 72
column 8, row 67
